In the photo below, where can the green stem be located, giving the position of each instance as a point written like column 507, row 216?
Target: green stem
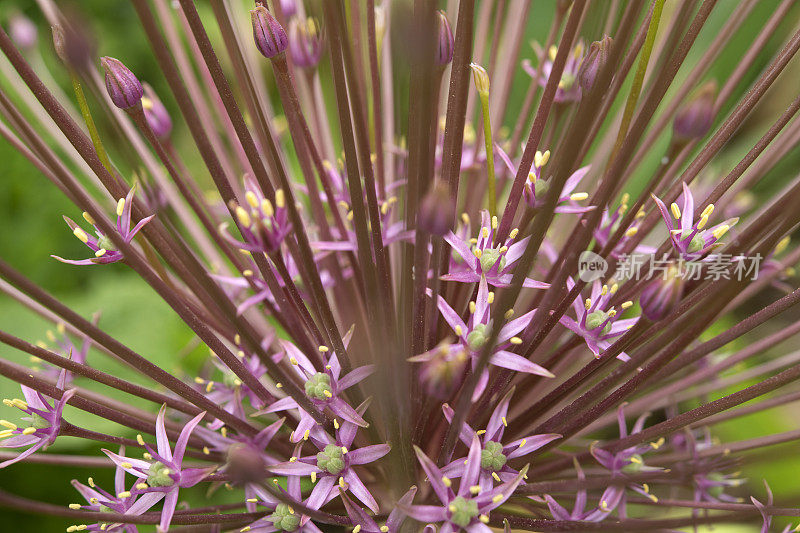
column 489, row 144
column 87, row 118
column 638, row 79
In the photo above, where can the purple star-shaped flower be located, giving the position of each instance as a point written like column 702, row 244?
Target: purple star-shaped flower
column 469, row 507
column 597, row 323
column 692, row 240
column 568, row 88
column 494, row 455
column 578, row 511
column 322, row 388
column 104, row 250
column 481, row 257
column 164, row 474
column 473, row 334
column 263, row 225
column 45, row 421
column 101, row 501
column 621, row 463
column 536, row 187
column 609, row 224
column 334, row 464
column 284, row 517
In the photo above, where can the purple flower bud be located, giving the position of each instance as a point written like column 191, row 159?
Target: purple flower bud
column 662, row 294
column 595, row 59
column 305, row 43
column 437, row 210
column 269, row 35
column 446, row 44
column 123, row 86
column 156, row 114
column 442, row 372
column 695, row 118
column 22, row 31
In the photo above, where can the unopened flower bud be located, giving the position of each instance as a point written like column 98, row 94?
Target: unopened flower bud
column 245, row 465
column 481, row 79
column 437, row 210
column 156, row 114
column 270, row 37
column 595, row 59
column 123, row 86
column 662, row 294
column 74, row 48
column 446, row 44
column 695, row 118
column 22, row 31
column 305, row 42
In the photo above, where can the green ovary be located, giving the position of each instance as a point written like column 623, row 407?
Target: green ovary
column 284, row 518
column 331, row 459
column 462, row 511
column 492, row 457
column 490, row 257
column 478, row 336
column 595, row 318
column 158, row 475
column 319, row 386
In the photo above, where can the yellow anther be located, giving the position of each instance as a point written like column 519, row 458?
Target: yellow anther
column 514, row 233
column 625, row 198
column 385, row 529
column 206, row 451
column 29, row 431
column 313, row 477
column 515, row 340
column 199, row 380
column 243, row 216
column 20, row 404
column 676, row 211
column 100, row 253
column 251, row 500
column 245, row 529
column 496, row 477
column 124, row 494
column 485, row 233
column 658, row 444
column 252, row 199
column 7, row 424
column 126, row 464
column 475, row 489
column 702, row 222
column 279, row 385
column 323, row 349
column 81, row 235
column 357, row 528
column 531, row 177
column 578, row 196
column 707, row 211
column 522, row 442
column 653, row 497
column 209, row 386
column 88, row 218
column 459, row 330
column 293, row 361
column 293, row 459
column 6, row 433
column 631, row 231
column 327, row 394
column 480, row 432
column 646, row 487
column 508, row 314
column 484, row 519
column 494, row 222
column 588, row 303
column 266, row 208
column 720, row 231
column 604, row 290
column 141, row 486
column 120, row 206
column 75, row 506
column 335, row 423
column 627, row 304
column 140, row 439
column 612, row 313
column 91, row 482
column 490, row 297
column 472, row 307
column 280, row 199
column 147, row 457
column 640, row 213
column 306, row 434
column 505, row 422
column 342, row 483
column 498, row 498
column 782, row 244
column 636, row 460
column 446, row 481
column 551, row 52
column 604, row 505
